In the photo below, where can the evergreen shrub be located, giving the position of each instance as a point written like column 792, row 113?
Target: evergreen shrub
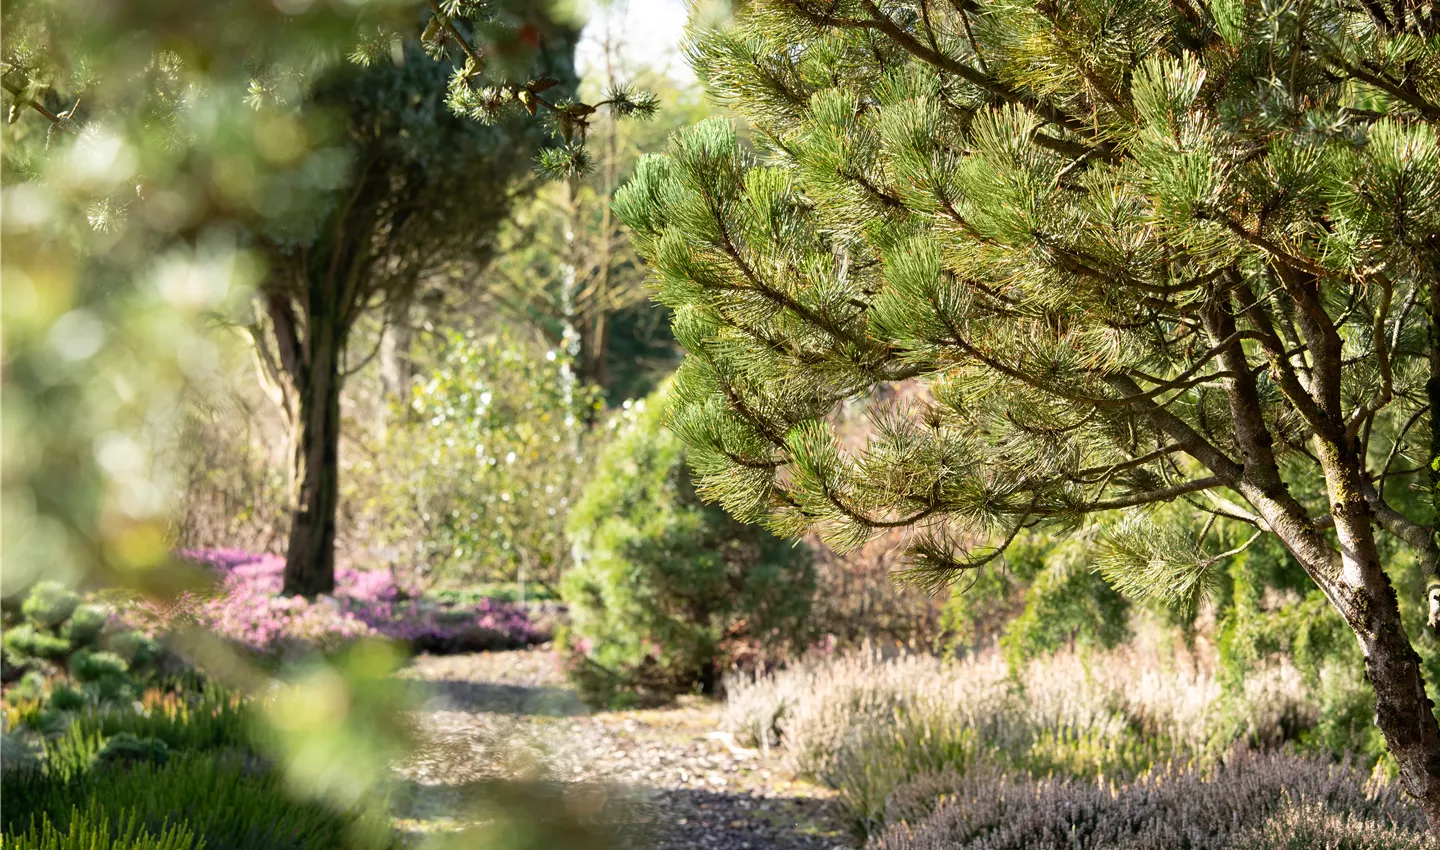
column 666, row 589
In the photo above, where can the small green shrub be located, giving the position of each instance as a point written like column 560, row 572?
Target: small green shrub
column 94, row 828
column 665, row 587
column 84, row 626
column 63, row 638
column 125, row 748
column 49, row 604
column 28, row 642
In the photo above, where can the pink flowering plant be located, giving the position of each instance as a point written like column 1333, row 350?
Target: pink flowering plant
column 247, row 608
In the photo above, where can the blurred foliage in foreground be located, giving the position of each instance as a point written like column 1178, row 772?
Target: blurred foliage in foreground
column 147, row 148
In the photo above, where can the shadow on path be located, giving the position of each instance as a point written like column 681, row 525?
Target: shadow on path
column 492, row 698
column 649, row 818
column 743, row 822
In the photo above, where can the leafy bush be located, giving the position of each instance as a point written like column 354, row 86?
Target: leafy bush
column 247, row 609
column 664, row 586
column 1248, row 802
column 473, row 479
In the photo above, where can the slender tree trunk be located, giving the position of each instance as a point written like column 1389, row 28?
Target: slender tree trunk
column 396, row 367
column 310, row 558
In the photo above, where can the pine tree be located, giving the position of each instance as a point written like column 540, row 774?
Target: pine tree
column 1140, row 253
column 423, row 193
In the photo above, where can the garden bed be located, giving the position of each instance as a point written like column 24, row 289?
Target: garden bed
column 246, row 607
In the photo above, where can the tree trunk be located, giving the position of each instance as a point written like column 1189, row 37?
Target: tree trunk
column 396, row 367
column 1404, row 713
column 310, row 558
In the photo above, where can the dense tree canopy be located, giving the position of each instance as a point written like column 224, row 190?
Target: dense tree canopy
column 1139, row 252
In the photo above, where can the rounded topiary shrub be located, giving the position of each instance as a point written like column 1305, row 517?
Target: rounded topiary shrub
column 665, row 588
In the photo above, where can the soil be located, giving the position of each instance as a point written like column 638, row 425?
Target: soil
column 505, row 724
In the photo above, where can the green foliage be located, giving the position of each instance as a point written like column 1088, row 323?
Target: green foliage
column 475, row 477
column 664, row 583
column 49, row 604
column 125, row 749
column 566, row 266
column 94, row 828
column 60, row 644
column 1149, row 264
column 1044, row 598
column 225, row 802
column 84, row 626
column 174, row 722
column 29, row 642
column 59, row 649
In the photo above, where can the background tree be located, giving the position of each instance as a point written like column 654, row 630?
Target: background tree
column 420, row 191
column 1140, row 252
column 565, row 263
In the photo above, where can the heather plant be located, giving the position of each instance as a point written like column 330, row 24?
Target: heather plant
column 865, row 725
column 665, row 587
column 227, row 802
column 1312, row 826
column 1245, row 802
column 96, row 828
column 247, row 609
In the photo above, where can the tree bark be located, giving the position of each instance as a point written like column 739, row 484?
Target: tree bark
column 1403, row 711
column 396, row 367
column 310, row 558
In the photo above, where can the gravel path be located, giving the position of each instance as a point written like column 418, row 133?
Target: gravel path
column 509, row 716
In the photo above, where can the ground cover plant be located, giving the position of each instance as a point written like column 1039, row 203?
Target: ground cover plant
column 69, row 655
column 249, row 609
column 868, row 726
column 1248, row 802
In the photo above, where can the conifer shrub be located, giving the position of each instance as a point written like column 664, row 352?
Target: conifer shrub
column 1152, row 264
column 1046, row 599
column 67, row 655
column 665, row 587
